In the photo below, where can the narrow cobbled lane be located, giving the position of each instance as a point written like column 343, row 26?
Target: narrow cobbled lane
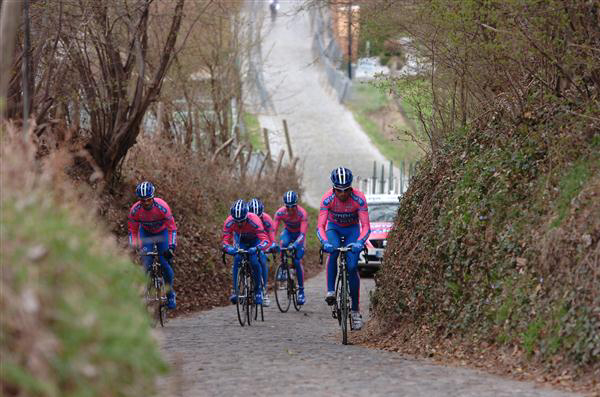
column 300, row 354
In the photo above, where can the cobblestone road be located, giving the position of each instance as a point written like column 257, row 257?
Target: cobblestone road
column 300, row 354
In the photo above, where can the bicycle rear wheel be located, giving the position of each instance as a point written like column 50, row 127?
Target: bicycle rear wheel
column 241, row 297
column 282, row 297
column 262, row 314
column 293, row 291
column 337, row 305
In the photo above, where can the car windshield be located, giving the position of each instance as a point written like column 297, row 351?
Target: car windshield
column 383, row 212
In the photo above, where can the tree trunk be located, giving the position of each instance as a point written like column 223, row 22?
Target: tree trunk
column 9, row 23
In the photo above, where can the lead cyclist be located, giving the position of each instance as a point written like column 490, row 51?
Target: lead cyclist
column 344, row 213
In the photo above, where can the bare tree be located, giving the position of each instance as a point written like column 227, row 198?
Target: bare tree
column 205, row 81
column 110, row 55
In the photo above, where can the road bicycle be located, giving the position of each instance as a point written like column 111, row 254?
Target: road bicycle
column 156, row 292
column 340, row 310
column 285, row 282
column 247, row 309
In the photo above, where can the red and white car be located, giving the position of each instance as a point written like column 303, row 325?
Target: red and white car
column 383, row 209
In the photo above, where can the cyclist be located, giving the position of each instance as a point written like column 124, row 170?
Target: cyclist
column 274, row 7
column 157, row 226
column 244, row 230
column 342, row 208
column 256, row 206
column 294, row 233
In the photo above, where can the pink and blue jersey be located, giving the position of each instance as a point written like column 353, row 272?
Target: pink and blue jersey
column 344, row 213
column 250, row 232
column 268, row 225
column 294, row 223
column 153, row 221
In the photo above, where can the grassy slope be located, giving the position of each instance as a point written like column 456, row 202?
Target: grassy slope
column 73, row 322
column 367, row 100
column 253, row 131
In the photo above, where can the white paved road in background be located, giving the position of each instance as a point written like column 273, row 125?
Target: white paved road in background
column 323, row 132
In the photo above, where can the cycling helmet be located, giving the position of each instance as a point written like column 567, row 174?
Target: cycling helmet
column 256, row 206
column 145, row 190
column 239, row 210
column 341, row 178
column 290, row 198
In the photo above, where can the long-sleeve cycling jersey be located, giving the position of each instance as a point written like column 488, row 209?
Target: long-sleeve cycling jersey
column 344, row 213
column 293, row 223
column 268, row 225
column 154, row 221
column 248, row 232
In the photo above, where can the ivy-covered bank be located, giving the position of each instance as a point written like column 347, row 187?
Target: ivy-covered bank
column 498, row 244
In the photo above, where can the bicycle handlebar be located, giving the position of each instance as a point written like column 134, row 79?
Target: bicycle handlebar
column 343, row 249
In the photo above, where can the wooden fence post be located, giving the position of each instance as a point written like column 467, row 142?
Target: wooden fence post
column 267, row 146
column 279, row 160
column 287, row 139
column 262, row 166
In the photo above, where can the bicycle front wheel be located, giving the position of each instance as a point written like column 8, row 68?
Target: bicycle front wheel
column 162, row 307
column 152, row 300
column 250, row 303
column 282, row 296
column 241, row 297
column 344, row 309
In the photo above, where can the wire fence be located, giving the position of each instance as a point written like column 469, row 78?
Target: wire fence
column 327, row 51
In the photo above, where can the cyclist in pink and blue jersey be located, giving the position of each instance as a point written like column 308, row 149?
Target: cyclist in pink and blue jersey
column 294, row 234
column 256, row 206
column 244, row 230
column 342, row 209
column 157, row 226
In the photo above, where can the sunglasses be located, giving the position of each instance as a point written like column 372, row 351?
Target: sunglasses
column 336, row 189
column 291, row 206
